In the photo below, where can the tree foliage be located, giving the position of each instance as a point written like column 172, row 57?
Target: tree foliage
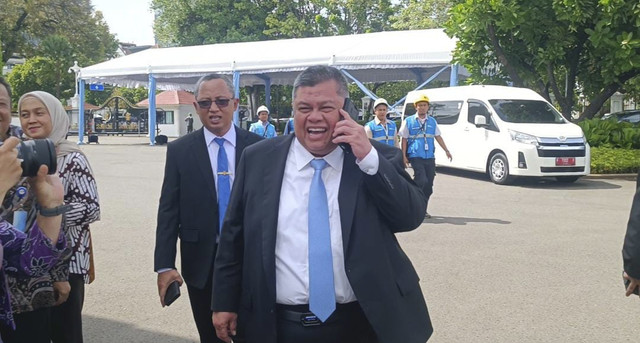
column 52, row 34
column 589, row 45
column 421, row 14
column 194, row 22
column 24, row 24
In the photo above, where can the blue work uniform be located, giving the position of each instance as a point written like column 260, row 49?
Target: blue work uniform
column 420, row 143
column 289, row 127
column 381, row 133
column 259, row 129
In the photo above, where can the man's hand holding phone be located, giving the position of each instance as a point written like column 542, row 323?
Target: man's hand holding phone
column 348, row 131
column 165, row 279
column 632, row 286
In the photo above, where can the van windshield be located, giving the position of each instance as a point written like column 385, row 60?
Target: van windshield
column 526, row 111
column 444, row 112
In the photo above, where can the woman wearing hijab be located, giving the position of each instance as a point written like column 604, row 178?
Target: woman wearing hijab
column 49, row 308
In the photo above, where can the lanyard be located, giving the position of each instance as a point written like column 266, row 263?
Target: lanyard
column 386, row 131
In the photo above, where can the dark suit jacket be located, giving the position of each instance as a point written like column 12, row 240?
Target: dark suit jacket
column 372, row 209
column 631, row 248
column 189, row 206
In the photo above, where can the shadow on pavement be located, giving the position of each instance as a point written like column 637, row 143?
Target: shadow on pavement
column 463, row 220
column 549, row 183
column 534, row 182
column 97, row 330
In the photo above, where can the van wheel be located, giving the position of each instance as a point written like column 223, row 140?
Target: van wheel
column 567, row 179
column 499, row 169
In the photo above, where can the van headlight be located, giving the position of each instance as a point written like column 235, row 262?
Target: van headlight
column 523, row 137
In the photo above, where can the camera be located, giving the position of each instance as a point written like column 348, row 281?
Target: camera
column 35, row 153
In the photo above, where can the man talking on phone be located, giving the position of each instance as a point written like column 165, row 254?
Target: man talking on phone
column 311, row 255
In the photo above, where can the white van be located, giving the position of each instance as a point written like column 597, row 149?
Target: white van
column 505, row 132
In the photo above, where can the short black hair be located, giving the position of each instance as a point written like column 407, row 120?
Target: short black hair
column 210, row 77
column 318, row 74
column 6, row 85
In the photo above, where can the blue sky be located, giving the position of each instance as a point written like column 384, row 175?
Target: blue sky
column 130, row 20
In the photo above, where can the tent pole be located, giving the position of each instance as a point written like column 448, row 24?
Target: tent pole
column 360, row 85
column 423, row 84
column 152, row 109
column 236, row 87
column 453, row 78
column 267, row 90
column 81, row 114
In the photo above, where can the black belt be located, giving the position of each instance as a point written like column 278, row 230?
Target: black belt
column 301, row 314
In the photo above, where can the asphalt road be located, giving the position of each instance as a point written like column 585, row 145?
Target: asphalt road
column 534, row 262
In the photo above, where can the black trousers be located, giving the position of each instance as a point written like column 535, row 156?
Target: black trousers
column 58, row 324
column 424, row 171
column 66, row 319
column 348, row 324
column 200, row 300
column 31, row 327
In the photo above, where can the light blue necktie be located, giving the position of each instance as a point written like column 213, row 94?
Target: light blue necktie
column 322, row 297
column 224, row 185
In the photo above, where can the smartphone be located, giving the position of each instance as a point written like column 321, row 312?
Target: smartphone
column 173, row 293
column 626, row 285
column 350, row 108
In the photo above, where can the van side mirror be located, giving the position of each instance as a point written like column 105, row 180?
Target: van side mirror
column 480, row 121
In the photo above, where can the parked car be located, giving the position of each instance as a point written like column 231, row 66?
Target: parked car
column 629, row 116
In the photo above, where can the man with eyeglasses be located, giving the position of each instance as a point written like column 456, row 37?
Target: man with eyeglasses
column 198, row 177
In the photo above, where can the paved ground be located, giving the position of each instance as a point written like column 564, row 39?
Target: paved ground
column 533, row 262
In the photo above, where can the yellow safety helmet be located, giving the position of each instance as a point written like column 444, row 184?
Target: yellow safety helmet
column 420, row 98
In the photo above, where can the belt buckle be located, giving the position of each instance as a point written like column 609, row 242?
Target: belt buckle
column 309, row 319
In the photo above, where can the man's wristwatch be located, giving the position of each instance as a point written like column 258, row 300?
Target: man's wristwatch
column 54, row 211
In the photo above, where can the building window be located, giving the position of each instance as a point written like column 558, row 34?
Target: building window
column 165, row 117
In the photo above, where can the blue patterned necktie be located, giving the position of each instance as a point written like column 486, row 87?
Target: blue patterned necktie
column 322, row 297
column 224, row 184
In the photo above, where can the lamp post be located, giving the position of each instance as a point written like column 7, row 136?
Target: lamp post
column 74, row 102
column 76, row 70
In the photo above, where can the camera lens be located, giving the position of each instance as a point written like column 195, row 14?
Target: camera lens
column 35, row 153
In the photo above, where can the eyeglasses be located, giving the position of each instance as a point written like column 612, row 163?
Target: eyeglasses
column 206, row 104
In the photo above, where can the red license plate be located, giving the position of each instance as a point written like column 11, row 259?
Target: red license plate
column 565, row 161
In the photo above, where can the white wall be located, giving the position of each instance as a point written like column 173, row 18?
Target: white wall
column 179, row 126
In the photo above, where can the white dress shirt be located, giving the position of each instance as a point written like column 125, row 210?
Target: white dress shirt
column 292, row 241
column 229, row 148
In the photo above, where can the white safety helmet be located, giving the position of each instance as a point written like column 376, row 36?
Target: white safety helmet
column 380, row 101
column 262, row 108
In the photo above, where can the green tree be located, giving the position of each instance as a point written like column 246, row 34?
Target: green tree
column 294, row 19
column 24, row 24
column 37, row 73
column 421, row 14
column 196, row 22
column 552, row 46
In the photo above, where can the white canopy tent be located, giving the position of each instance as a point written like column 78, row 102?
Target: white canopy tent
column 373, row 57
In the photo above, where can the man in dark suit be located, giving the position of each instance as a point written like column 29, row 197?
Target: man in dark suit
column 190, row 200
column 631, row 248
column 308, row 251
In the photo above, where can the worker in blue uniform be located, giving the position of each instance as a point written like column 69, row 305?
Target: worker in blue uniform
column 418, row 133
column 381, row 129
column 288, row 129
column 262, row 127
